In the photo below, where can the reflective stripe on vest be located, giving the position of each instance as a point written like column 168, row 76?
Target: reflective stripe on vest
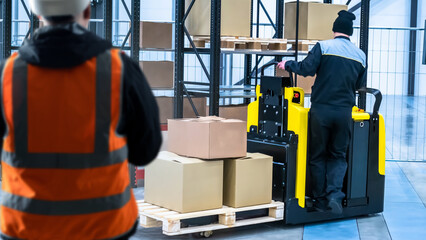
column 65, row 171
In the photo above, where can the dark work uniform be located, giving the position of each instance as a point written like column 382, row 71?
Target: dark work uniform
column 341, row 70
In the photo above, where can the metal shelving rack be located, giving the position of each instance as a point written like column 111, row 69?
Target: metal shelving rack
column 215, row 52
column 212, row 89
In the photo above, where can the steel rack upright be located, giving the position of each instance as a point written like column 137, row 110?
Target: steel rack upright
column 213, row 91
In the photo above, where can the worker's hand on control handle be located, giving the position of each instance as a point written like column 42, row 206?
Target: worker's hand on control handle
column 281, row 65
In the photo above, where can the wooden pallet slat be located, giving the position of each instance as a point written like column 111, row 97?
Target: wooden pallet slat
column 227, row 219
column 170, row 221
column 148, row 222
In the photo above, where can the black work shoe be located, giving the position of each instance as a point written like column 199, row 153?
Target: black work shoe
column 319, row 206
column 335, row 206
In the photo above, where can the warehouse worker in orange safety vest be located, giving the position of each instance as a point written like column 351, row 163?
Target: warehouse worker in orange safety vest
column 74, row 113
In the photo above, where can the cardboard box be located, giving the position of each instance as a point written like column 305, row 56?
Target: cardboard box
column 247, row 181
column 208, row 137
column 184, row 184
column 235, row 18
column 156, row 35
column 159, row 74
column 265, row 46
column 305, row 83
column 233, row 112
column 281, row 72
column 315, row 20
column 165, row 104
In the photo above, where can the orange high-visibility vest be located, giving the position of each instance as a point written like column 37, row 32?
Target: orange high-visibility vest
column 65, row 173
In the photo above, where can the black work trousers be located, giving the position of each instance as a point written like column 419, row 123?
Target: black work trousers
column 330, row 134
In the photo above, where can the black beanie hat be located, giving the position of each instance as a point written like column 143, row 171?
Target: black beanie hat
column 344, row 23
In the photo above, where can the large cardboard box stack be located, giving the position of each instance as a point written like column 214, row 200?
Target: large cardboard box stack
column 235, row 18
column 315, row 20
column 208, row 138
column 305, row 83
column 208, row 165
column 184, row 184
column 165, row 105
column 160, row 74
column 248, row 181
column 156, row 35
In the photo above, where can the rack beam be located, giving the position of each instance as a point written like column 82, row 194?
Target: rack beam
column 279, row 23
column 107, row 20
column 248, row 59
column 136, row 18
column 134, row 54
column 214, row 57
column 7, row 28
column 412, row 48
column 364, row 28
column 179, row 57
column 424, row 45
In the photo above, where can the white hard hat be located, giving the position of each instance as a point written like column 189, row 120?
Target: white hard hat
column 52, row 8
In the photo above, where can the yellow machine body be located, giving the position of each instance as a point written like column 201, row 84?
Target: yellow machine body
column 297, row 122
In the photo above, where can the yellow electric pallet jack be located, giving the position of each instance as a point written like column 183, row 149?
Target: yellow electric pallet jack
column 277, row 125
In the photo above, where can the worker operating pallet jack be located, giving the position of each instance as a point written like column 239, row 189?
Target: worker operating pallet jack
column 278, row 126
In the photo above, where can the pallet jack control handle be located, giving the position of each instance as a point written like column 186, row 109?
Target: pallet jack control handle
column 274, row 63
column 262, row 69
column 377, row 94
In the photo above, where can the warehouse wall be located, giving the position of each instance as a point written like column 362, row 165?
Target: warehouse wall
column 389, row 48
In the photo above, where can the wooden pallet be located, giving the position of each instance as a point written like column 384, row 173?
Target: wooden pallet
column 244, row 43
column 170, row 221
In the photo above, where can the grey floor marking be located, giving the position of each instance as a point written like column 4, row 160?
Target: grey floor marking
column 262, row 231
column 373, row 227
column 416, row 175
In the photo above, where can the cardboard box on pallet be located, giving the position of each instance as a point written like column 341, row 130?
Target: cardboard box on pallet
column 232, row 111
column 184, row 184
column 159, row 74
column 247, row 181
column 208, row 137
column 315, row 20
column 165, row 105
column 156, row 35
column 305, row 83
column 235, row 18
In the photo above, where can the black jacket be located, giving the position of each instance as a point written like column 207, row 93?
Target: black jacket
column 341, row 69
column 70, row 45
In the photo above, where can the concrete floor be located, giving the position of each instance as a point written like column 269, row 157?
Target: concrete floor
column 404, row 216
